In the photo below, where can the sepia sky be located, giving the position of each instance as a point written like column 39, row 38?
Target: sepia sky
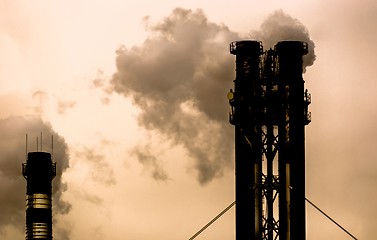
column 134, row 93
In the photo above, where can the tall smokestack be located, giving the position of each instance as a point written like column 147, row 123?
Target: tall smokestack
column 39, row 171
column 247, row 165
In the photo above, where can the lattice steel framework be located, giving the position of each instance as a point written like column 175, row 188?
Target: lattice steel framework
column 269, row 109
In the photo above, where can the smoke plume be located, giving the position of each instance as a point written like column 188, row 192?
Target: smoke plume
column 63, row 106
column 98, row 164
column 179, row 78
column 150, row 161
column 279, row 26
column 12, row 147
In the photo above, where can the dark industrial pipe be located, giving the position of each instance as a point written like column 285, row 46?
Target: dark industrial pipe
column 39, row 171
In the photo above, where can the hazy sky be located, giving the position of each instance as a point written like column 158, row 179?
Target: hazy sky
column 135, row 93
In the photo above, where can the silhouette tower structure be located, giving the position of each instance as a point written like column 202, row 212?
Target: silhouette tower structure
column 269, row 109
column 39, row 171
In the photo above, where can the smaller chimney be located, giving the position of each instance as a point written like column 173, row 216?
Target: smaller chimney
column 39, row 171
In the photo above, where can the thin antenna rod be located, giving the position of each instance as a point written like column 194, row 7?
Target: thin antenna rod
column 52, row 147
column 330, row 219
column 26, row 146
column 41, row 142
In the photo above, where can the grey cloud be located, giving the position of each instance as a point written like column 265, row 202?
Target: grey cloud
column 179, row 78
column 101, row 171
column 63, row 106
column 150, row 162
column 40, row 97
column 62, row 233
column 101, row 82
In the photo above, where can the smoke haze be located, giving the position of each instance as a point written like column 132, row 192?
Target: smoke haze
column 100, row 170
column 150, row 161
column 12, row 147
column 179, row 78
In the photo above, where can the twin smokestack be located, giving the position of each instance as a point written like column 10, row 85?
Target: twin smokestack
column 269, row 109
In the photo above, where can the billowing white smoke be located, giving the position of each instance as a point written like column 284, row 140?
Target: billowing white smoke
column 279, row 26
column 179, row 78
column 12, row 148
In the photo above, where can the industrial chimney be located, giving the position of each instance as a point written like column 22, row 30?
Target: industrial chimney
column 39, row 171
column 269, row 109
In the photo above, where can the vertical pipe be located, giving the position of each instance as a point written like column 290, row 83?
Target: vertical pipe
column 290, row 73
column 26, row 146
column 52, row 147
column 39, row 170
column 247, row 138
